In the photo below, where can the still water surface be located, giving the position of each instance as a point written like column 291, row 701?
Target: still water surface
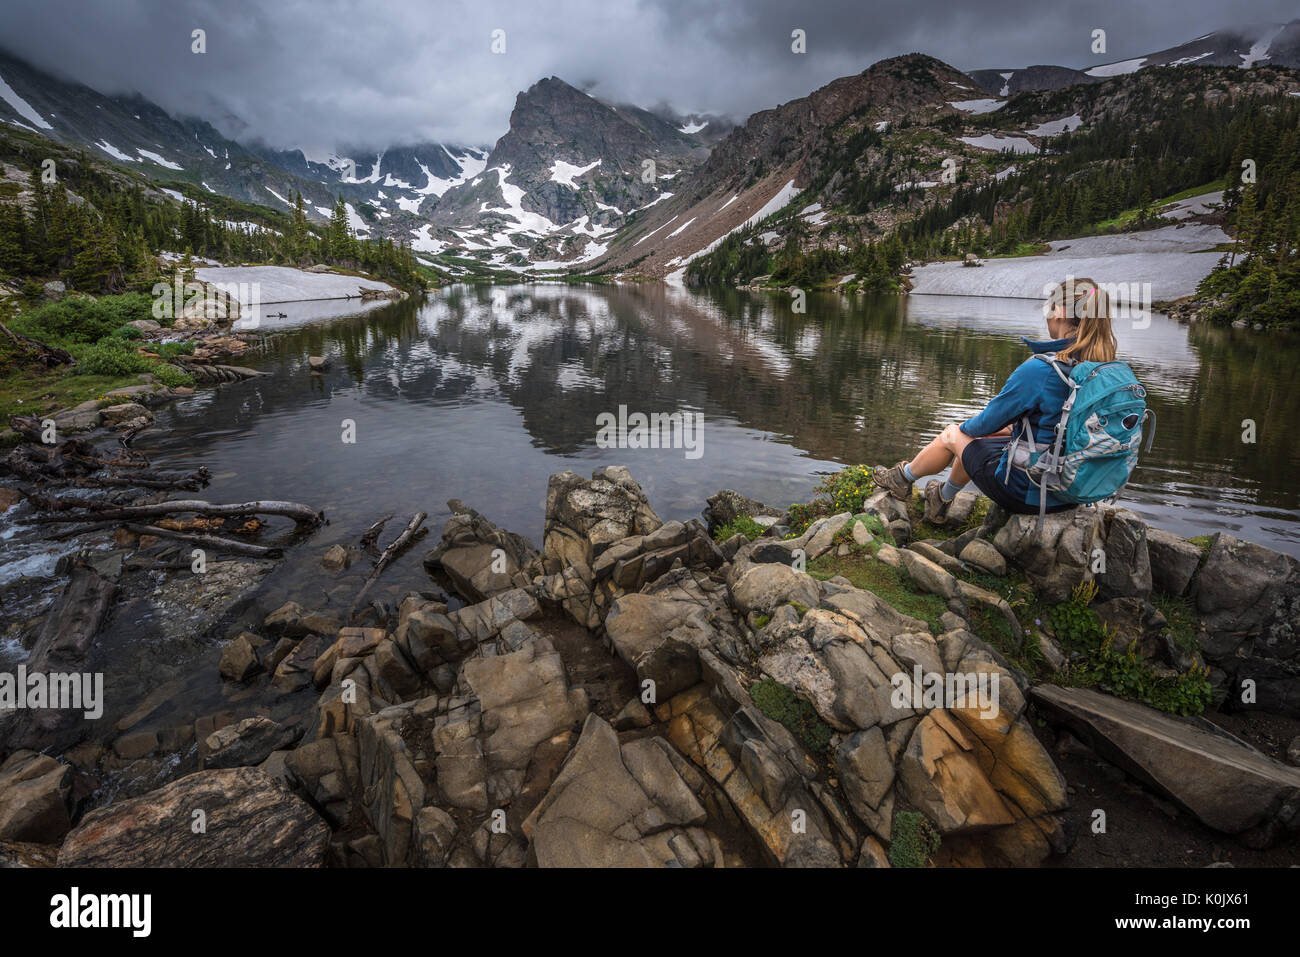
column 482, row 393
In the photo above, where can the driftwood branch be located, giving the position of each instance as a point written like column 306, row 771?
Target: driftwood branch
column 71, row 510
column 208, row 541
column 371, row 535
column 409, row 534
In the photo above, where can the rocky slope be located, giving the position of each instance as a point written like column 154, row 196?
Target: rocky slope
column 763, row 164
column 385, row 188
column 570, row 171
column 1275, row 44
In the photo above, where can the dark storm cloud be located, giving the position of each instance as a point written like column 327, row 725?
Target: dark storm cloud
column 328, row 73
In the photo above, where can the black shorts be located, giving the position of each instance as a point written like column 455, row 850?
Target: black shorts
column 980, row 459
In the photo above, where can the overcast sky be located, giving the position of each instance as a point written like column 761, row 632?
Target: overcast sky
column 335, row 73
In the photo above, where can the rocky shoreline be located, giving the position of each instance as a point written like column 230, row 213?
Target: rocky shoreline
column 638, row 693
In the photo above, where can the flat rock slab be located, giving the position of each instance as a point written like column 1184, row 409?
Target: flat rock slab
column 251, row 820
column 1226, row 784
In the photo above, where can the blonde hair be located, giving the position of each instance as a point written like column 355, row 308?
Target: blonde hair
column 1087, row 310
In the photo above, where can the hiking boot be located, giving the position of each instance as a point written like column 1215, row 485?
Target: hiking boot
column 893, row 481
column 936, row 509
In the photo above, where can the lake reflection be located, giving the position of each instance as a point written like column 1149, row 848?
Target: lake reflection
column 480, row 393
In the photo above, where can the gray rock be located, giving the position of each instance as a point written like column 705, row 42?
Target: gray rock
column 618, row 807
column 761, row 588
column 982, row 555
column 866, row 771
column 35, row 798
column 247, row 743
column 250, row 819
column 928, row 576
column 1225, row 784
column 727, row 506
column 1128, row 563
column 1174, row 561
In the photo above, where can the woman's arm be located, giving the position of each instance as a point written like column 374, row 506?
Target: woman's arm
column 1017, row 398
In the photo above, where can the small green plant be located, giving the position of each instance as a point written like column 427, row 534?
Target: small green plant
column 171, row 376
column 111, row 357
column 1122, row 672
column 761, row 621
column 127, row 332
column 842, row 491
column 798, row 716
column 1182, row 619
column 743, row 525
column 883, row 580
column 913, row 840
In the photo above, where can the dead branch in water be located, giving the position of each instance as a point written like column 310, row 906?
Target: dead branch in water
column 395, row 548
column 72, row 510
column 371, row 535
column 208, row 541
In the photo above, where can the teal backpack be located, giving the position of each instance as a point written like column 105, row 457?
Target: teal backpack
column 1097, row 440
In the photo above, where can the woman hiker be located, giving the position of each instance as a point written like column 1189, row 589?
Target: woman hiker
column 1078, row 323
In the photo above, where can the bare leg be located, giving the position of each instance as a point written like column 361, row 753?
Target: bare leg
column 932, row 459
column 944, row 450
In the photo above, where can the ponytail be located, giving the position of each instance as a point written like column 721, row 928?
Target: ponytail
column 1087, row 310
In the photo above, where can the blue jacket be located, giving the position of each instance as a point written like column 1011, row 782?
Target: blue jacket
column 1034, row 390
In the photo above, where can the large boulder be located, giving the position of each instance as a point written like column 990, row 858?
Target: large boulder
column 480, row 559
column 249, row 819
column 762, row 588
column 586, row 516
column 1059, row 557
column 620, row 805
column 1223, row 782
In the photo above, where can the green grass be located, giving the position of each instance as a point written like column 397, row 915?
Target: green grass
column 1022, row 249
column 923, row 529
column 913, row 840
column 1183, row 623
column 1129, row 215
column 871, row 574
column 743, row 525
column 799, row 717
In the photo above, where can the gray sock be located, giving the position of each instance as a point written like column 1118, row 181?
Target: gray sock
column 949, row 490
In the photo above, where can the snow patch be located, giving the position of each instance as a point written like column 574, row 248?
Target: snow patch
column 978, row 106
column 1117, row 69
column 160, row 160
column 116, row 153
column 1054, row 127
column 565, row 173
column 989, row 141
column 21, row 106
column 690, row 128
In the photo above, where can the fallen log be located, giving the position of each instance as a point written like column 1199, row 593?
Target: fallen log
column 71, row 626
column 208, row 541
column 409, row 534
column 73, row 510
column 46, row 355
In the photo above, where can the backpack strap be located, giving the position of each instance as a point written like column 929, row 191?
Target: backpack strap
column 1052, row 468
